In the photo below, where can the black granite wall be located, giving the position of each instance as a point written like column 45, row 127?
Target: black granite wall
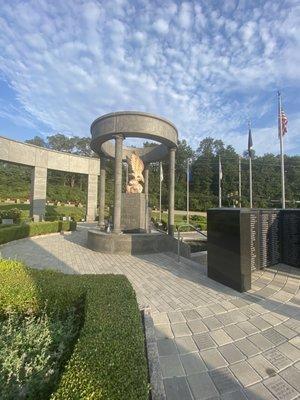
column 242, row 240
column 290, row 233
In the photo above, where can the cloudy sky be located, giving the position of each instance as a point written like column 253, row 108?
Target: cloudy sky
column 207, row 66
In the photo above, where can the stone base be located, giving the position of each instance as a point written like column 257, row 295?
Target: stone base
column 135, row 215
column 134, row 243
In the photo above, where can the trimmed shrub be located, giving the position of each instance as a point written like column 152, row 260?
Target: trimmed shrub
column 32, row 351
column 12, row 213
column 34, row 229
column 108, row 360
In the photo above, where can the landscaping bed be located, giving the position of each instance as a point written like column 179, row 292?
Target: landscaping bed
column 197, row 245
column 52, row 212
column 198, row 221
column 33, row 229
column 107, row 361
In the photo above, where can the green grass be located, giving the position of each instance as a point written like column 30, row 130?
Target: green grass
column 108, row 360
column 196, row 220
column 52, row 212
column 34, row 229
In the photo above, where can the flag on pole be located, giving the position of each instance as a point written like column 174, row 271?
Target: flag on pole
column 189, row 173
column 282, row 130
column 250, row 142
column 220, row 169
column 161, row 174
column 283, row 120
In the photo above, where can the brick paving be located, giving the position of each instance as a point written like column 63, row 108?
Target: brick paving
column 212, row 342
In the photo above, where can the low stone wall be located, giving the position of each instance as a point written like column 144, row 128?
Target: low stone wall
column 135, row 243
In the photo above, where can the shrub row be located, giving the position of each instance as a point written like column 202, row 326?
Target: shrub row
column 108, row 360
column 21, row 212
column 11, row 213
column 34, row 229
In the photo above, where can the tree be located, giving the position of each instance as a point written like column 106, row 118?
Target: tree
column 62, row 186
column 61, row 143
column 37, row 141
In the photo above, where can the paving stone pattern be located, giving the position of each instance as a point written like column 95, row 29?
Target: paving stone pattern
column 212, row 342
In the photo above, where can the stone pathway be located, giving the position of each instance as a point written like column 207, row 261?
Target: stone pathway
column 211, row 342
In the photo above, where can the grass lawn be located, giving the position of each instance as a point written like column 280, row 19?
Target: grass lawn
column 107, row 361
column 196, row 220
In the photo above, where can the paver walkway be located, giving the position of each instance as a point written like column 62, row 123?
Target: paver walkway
column 213, row 342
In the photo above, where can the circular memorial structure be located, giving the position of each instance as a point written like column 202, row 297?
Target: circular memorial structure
column 130, row 209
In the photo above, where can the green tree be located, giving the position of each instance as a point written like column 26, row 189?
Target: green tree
column 37, row 141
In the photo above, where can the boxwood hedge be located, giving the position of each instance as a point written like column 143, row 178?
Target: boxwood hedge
column 34, row 229
column 108, row 360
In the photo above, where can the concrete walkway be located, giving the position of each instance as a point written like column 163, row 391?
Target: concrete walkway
column 212, row 342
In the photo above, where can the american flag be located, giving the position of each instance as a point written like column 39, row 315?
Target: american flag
column 284, row 122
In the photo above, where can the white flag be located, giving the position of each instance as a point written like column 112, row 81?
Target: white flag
column 220, row 170
column 161, row 172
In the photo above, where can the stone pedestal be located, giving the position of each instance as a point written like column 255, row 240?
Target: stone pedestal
column 135, row 215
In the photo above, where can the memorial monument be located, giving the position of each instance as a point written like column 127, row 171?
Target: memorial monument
column 135, row 213
column 130, row 231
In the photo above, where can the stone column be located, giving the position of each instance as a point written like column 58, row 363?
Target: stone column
column 146, row 189
column 102, row 193
column 91, row 204
column 38, row 193
column 146, row 178
column 171, row 191
column 118, row 182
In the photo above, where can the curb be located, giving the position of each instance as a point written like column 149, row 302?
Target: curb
column 156, row 378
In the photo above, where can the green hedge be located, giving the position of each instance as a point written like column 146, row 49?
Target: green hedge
column 108, row 361
column 12, row 213
column 52, row 212
column 34, row 229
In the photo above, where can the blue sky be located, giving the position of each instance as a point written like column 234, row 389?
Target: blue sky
column 207, row 66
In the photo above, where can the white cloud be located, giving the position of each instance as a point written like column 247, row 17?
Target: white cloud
column 185, row 15
column 161, row 26
column 207, row 69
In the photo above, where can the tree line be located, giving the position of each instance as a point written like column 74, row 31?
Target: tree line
column 204, row 175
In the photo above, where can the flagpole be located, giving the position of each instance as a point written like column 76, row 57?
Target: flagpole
column 188, row 191
column 281, row 151
column 240, row 183
column 250, row 180
column 160, row 181
column 220, row 186
column 250, row 172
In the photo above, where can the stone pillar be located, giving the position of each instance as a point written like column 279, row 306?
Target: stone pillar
column 118, row 182
column 38, row 193
column 146, row 189
column 91, row 204
column 102, row 193
column 146, row 178
column 171, row 191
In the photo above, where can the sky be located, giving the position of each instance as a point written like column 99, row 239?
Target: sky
column 208, row 66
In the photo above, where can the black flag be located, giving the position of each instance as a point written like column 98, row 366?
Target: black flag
column 250, row 143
